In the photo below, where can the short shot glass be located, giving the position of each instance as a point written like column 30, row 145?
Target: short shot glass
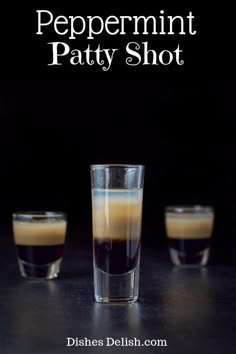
column 39, row 238
column 189, row 230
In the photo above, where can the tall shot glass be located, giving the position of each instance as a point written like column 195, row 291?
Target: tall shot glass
column 117, row 195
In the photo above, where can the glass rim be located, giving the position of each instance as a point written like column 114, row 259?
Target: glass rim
column 189, row 209
column 39, row 214
column 101, row 166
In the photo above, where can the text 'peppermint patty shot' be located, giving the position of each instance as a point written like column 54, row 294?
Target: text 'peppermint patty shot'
column 66, row 30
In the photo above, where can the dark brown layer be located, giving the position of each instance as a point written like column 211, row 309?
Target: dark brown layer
column 189, row 246
column 116, row 257
column 40, row 254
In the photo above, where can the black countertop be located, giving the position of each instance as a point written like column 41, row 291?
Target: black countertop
column 194, row 310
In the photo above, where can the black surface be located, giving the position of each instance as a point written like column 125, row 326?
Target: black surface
column 193, row 309
column 55, row 122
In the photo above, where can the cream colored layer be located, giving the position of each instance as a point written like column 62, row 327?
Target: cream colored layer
column 39, row 233
column 117, row 218
column 187, row 226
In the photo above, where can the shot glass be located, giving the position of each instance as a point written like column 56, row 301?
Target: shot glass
column 39, row 239
column 117, row 195
column 189, row 231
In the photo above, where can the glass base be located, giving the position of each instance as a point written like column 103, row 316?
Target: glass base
column 193, row 259
column 110, row 288
column 39, row 272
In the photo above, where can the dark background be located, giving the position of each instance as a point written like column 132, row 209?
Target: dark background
column 208, row 54
column 178, row 121
column 51, row 131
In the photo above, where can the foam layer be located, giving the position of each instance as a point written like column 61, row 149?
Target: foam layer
column 189, row 226
column 39, row 233
column 117, row 213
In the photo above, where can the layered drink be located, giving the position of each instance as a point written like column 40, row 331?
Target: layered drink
column 189, row 231
column 39, row 238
